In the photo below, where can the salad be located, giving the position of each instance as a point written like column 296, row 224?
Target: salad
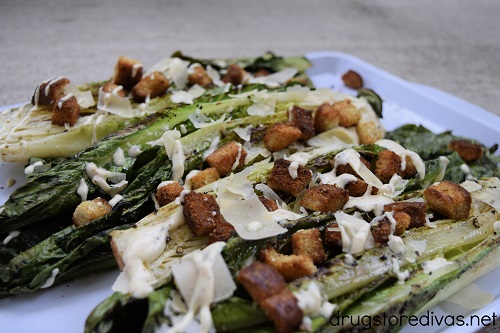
column 262, row 205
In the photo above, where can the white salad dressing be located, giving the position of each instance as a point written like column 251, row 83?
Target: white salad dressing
column 52, row 278
column 31, row 168
column 403, row 152
column 134, row 151
column 11, row 236
column 83, row 189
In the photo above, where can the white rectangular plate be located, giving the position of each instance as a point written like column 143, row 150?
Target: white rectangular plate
column 65, row 307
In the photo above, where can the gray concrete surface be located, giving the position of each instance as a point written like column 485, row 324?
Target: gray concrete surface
column 453, row 45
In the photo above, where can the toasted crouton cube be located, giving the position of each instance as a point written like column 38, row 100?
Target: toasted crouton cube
column 358, row 188
column 279, row 179
column 261, row 280
column 382, row 230
column 204, row 177
column 449, row 199
column 303, row 120
column 468, row 151
column 346, row 168
column 410, row 171
column 387, row 164
column 202, row 213
column 416, row 211
column 199, row 76
column 50, row 91
column 227, row 158
column 333, row 238
column 151, row 86
column 235, row 75
column 369, row 132
column 280, row 136
column 352, row 80
column 349, row 114
column 292, row 266
column 89, row 210
column 222, row 232
column 66, row 111
column 112, row 88
column 326, row 118
column 325, row 198
column 308, row 242
column 270, row 204
column 127, row 72
column 283, row 309
column 168, row 193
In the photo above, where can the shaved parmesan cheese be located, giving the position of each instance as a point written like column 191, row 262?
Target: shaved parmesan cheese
column 177, row 161
column 337, row 138
column 202, row 278
column 84, row 98
column 260, row 109
column 490, row 194
column 240, row 213
column 268, row 193
column 496, row 227
column 215, row 76
column 444, row 161
column 117, row 198
column 187, row 97
column 244, row 133
column 199, row 120
column 144, row 245
column 430, row 266
column 355, row 232
column 115, row 104
column 169, row 138
column 275, row 79
column 134, row 151
column 173, row 68
column 471, row 186
column 254, row 151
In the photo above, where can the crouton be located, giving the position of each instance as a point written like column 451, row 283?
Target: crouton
column 324, row 198
column 449, row 199
column 89, row 210
column 280, row 136
column 198, row 75
column 66, row 111
column 128, row 72
column 50, row 91
column 202, row 213
column 308, row 242
column 151, row 86
column 369, row 132
column 358, row 188
column 222, row 232
column 204, row 177
column 283, row 309
column 416, row 211
column 326, row 118
column 352, row 80
column 382, row 230
column 349, row 115
column 410, row 171
column 292, row 266
column 110, row 87
column 261, row 72
column 168, row 193
column 279, row 180
column 270, row 204
column 227, row 158
column 261, row 280
column 387, row 164
column 468, row 151
column 303, row 120
column 333, row 238
column 235, row 75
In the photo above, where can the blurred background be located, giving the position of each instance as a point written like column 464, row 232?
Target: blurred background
column 453, row 45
